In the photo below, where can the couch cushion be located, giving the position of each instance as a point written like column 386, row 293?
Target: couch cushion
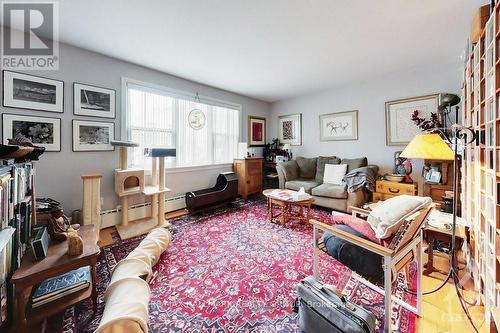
column 331, row 191
column 320, row 166
column 386, row 218
column 296, row 184
column 354, row 163
column 334, row 173
column 290, row 169
column 307, row 167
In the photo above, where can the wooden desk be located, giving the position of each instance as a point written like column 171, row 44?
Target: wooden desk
column 57, row 262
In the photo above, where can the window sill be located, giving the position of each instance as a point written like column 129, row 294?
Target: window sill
column 171, row 170
column 197, row 168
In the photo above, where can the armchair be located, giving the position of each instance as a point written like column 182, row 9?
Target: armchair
column 403, row 249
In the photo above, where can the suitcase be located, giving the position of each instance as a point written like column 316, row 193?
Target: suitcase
column 321, row 309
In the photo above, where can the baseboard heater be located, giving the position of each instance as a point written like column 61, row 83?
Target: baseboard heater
column 111, row 217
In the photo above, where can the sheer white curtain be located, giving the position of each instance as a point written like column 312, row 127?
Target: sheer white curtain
column 160, row 120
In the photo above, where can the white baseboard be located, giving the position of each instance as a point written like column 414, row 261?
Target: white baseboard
column 111, row 217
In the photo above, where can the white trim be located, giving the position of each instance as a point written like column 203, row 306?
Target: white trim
column 197, row 168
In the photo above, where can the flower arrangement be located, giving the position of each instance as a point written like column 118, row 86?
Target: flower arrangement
column 427, row 125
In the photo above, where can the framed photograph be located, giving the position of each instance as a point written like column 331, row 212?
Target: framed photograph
column 290, row 129
column 400, row 129
column 42, row 131
column 93, row 135
column 94, row 101
column 256, row 131
column 339, row 126
column 433, row 176
column 25, row 91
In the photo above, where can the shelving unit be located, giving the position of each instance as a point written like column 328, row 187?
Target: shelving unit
column 481, row 185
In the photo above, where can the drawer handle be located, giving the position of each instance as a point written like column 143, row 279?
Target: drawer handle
column 393, row 191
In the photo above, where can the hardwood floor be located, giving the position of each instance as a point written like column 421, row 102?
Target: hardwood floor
column 441, row 310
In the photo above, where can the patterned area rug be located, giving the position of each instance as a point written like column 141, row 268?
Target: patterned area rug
column 232, row 271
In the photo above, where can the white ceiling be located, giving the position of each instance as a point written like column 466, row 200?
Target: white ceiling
column 272, row 49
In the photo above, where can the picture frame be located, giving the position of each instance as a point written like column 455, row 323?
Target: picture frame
column 42, row 131
column 94, row 101
column 433, row 176
column 290, row 129
column 256, row 131
column 25, row 91
column 93, row 135
column 400, row 129
column 339, row 126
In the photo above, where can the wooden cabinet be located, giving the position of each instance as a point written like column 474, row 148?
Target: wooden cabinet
column 385, row 189
column 437, row 191
column 249, row 171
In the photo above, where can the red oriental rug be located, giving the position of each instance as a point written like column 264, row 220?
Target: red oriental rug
column 232, row 271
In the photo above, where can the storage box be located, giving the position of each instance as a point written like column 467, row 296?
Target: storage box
column 478, row 22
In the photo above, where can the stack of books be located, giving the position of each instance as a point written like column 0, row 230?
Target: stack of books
column 60, row 286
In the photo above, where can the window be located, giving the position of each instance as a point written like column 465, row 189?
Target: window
column 203, row 131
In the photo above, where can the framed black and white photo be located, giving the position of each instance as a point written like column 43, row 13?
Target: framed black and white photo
column 290, row 129
column 339, row 126
column 25, row 91
column 93, row 135
column 41, row 131
column 94, row 101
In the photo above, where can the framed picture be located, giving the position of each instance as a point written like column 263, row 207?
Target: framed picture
column 256, row 131
column 94, row 101
column 42, row 131
column 92, row 135
column 400, row 129
column 25, row 91
column 433, row 176
column 290, row 129
column 339, row 126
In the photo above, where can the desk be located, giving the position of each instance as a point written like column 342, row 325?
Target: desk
column 442, row 235
column 57, row 262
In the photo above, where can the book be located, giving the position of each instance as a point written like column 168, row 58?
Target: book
column 61, row 284
column 60, row 295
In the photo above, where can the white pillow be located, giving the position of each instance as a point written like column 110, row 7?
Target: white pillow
column 334, row 173
column 386, row 218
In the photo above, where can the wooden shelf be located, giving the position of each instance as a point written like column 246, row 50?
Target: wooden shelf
column 47, row 310
column 151, row 190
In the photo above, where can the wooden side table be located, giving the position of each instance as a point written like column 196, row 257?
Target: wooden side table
column 443, row 235
column 57, row 262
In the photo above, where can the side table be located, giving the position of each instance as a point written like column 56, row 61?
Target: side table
column 57, row 262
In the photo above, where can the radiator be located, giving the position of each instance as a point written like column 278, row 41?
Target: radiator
column 111, row 217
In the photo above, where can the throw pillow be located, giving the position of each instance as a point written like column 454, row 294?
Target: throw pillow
column 307, row 167
column 334, row 173
column 354, row 163
column 386, row 218
column 290, row 169
column 320, row 166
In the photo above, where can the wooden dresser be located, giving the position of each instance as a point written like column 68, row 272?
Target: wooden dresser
column 249, row 171
column 385, row 189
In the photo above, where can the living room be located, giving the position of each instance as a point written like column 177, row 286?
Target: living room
column 250, row 166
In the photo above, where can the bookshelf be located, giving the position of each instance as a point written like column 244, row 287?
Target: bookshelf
column 17, row 211
column 481, row 185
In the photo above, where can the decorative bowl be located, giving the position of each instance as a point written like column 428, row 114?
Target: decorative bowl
column 394, row 177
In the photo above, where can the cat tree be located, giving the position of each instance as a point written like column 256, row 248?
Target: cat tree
column 130, row 182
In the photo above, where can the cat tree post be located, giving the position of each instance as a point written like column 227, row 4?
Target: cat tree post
column 161, row 197
column 91, row 207
column 154, row 182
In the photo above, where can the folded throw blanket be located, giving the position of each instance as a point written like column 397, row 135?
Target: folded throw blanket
column 363, row 177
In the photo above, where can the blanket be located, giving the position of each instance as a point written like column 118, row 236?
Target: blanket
column 360, row 178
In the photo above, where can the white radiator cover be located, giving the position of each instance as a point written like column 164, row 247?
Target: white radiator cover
column 111, row 217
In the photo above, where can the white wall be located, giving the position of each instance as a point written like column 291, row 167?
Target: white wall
column 369, row 98
column 58, row 173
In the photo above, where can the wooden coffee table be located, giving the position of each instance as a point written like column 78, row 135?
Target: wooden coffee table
column 57, row 262
column 282, row 210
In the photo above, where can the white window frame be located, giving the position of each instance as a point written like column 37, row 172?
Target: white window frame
column 125, row 130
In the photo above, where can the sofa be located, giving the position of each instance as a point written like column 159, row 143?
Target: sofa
column 308, row 173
